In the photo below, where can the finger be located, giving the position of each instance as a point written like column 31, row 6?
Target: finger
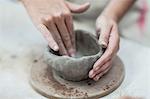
column 77, row 8
column 104, row 30
column 61, row 26
column 101, row 74
column 69, row 24
column 114, row 39
column 93, row 72
column 111, row 50
column 103, row 68
column 52, row 27
column 51, row 42
column 104, row 58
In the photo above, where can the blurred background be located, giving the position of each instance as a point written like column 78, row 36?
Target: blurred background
column 21, row 43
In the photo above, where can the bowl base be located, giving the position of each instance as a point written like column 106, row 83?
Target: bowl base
column 52, row 86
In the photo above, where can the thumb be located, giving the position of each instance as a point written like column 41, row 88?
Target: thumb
column 75, row 8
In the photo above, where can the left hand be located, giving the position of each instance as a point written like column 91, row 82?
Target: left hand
column 109, row 38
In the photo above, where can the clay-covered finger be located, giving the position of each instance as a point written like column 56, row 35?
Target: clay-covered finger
column 99, row 69
column 101, row 74
column 111, row 50
column 69, row 24
column 104, row 58
column 103, row 68
column 65, row 36
column 91, row 73
column 104, row 36
column 53, row 29
column 114, row 39
column 103, row 28
column 47, row 34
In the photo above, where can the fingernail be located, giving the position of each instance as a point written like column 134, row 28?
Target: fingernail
column 72, row 52
column 91, row 74
column 56, row 48
column 103, row 44
column 72, row 55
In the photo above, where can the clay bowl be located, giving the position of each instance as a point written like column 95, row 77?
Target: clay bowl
column 76, row 68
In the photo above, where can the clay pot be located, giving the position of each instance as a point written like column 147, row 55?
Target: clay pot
column 76, row 68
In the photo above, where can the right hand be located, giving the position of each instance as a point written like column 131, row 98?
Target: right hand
column 54, row 19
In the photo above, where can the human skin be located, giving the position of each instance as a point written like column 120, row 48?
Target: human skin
column 107, row 28
column 54, row 19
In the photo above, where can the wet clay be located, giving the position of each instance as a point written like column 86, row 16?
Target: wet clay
column 76, row 68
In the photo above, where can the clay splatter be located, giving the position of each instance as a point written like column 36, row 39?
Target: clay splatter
column 108, row 86
column 63, row 89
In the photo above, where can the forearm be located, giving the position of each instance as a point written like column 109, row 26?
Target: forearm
column 26, row 3
column 117, row 8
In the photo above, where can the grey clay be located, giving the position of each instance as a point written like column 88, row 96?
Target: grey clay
column 88, row 51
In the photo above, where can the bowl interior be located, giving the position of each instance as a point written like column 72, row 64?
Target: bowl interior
column 86, row 45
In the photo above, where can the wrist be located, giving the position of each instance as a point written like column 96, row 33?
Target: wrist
column 110, row 15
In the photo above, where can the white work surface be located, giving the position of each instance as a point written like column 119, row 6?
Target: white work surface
column 20, row 43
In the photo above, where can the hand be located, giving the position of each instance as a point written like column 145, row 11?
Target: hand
column 54, row 19
column 107, row 31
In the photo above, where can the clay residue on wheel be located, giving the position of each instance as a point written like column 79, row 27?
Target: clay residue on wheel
column 62, row 88
column 52, row 86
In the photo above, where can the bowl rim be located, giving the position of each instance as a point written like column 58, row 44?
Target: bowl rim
column 99, row 53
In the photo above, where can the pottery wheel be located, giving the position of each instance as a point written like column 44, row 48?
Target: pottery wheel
column 51, row 86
